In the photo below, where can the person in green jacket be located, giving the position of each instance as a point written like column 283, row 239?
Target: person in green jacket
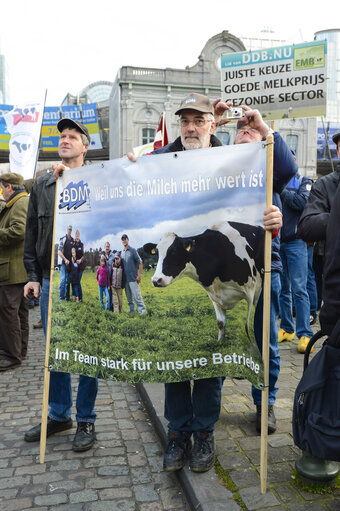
column 13, row 276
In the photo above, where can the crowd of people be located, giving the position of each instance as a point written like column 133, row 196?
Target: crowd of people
column 299, row 214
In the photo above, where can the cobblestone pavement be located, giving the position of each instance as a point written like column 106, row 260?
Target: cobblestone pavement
column 123, row 472
column 238, row 449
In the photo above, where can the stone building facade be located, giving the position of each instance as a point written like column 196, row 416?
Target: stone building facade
column 139, row 95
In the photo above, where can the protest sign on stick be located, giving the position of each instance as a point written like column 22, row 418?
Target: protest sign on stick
column 203, row 208
column 196, row 201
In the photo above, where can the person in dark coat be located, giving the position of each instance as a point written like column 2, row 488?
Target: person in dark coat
column 73, row 144
column 13, row 306
column 320, row 222
column 194, row 411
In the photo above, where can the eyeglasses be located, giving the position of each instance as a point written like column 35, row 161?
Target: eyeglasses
column 184, row 123
column 251, row 130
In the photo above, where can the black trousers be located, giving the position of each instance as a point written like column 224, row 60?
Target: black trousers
column 13, row 322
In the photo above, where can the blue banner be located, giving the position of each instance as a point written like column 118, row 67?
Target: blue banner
column 87, row 114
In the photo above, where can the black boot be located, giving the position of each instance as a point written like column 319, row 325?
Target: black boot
column 203, row 453
column 33, row 434
column 178, row 447
column 271, row 419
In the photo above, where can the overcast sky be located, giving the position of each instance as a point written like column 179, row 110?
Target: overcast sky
column 63, row 46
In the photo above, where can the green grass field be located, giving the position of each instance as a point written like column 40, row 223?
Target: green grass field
column 160, row 346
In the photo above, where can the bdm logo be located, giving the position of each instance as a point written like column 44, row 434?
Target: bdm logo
column 74, row 195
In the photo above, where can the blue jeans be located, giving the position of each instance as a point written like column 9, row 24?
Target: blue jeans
column 274, row 352
column 60, row 395
column 311, row 284
column 196, row 411
column 132, row 291
column 294, row 280
column 76, row 290
column 62, row 282
column 104, row 291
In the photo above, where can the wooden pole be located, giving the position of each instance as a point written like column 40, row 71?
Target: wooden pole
column 266, row 316
column 47, row 353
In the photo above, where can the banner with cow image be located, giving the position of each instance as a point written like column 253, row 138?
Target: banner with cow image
column 195, row 218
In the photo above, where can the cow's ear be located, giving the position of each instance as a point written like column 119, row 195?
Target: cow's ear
column 189, row 245
column 150, row 248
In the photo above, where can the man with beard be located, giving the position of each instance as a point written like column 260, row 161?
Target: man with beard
column 195, row 411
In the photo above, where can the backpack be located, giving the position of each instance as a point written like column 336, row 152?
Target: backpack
column 316, row 410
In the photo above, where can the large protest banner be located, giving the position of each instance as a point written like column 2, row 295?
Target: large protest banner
column 213, row 199
column 282, row 82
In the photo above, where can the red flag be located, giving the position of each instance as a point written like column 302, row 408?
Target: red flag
column 161, row 138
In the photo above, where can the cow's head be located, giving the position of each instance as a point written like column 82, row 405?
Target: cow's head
column 173, row 255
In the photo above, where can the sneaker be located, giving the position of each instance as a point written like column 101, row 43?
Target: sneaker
column 303, row 342
column 85, row 437
column 271, row 419
column 178, row 447
column 203, row 453
column 38, row 325
column 285, row 336
column 33, row 434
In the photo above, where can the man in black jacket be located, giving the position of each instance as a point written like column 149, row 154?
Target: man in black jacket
column 195, row 411
column 73, row 144
column 318, row 223
column 198, row 411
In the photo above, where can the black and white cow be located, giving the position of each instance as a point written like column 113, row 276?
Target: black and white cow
column 227, row 260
